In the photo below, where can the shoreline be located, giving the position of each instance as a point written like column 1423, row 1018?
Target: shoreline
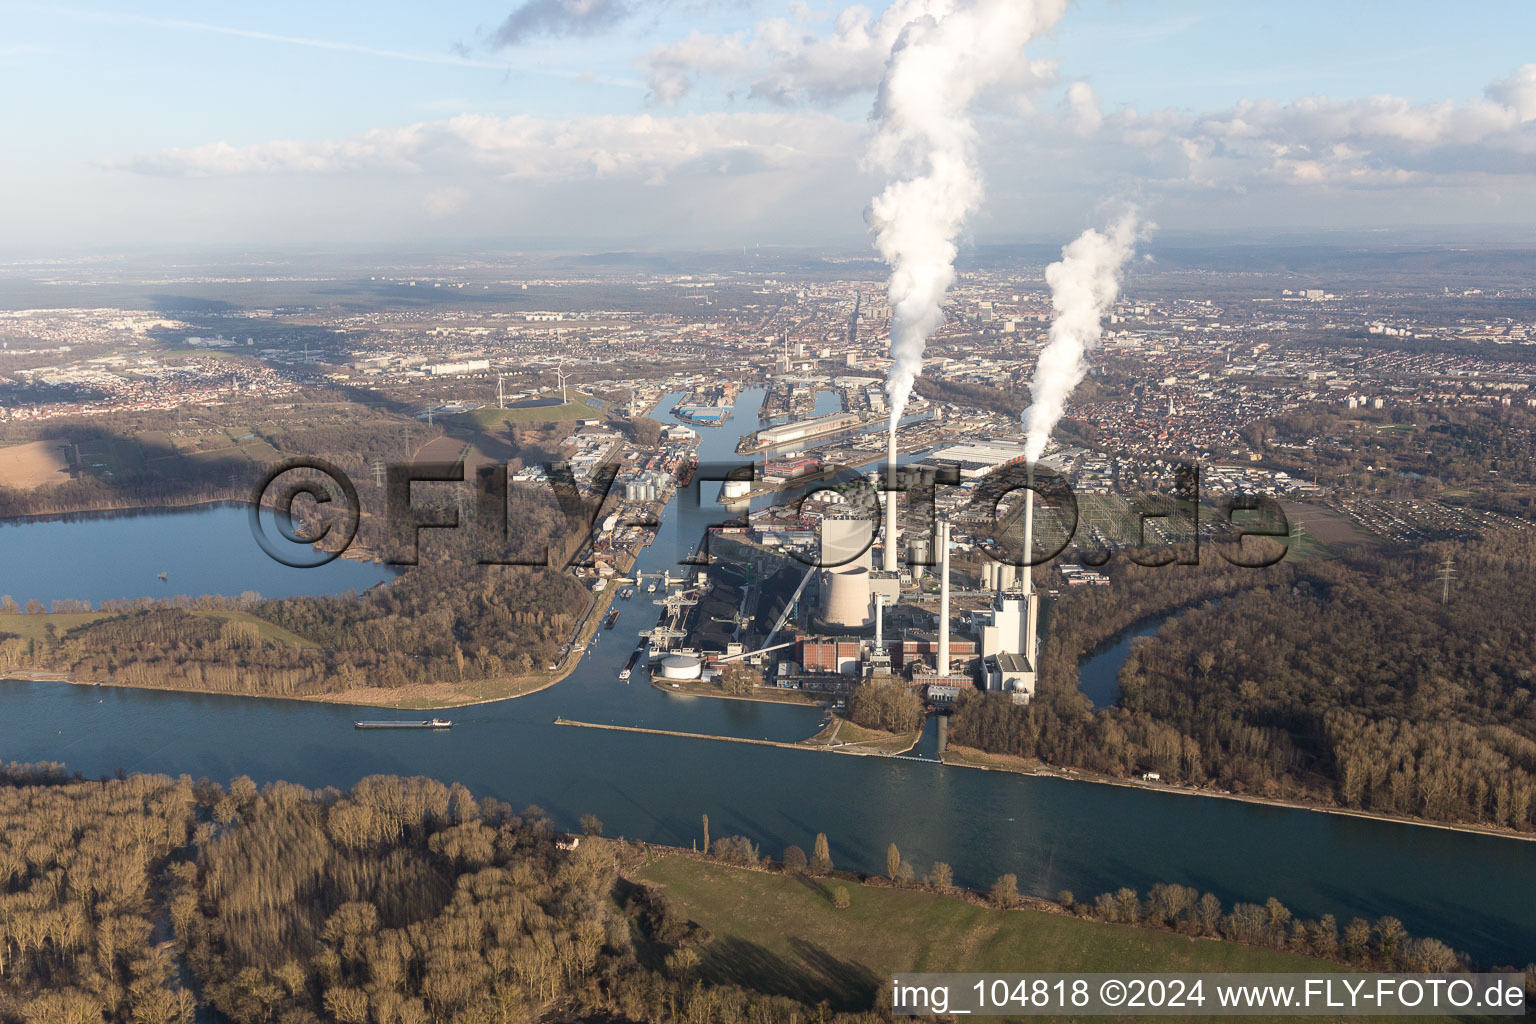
column 783, row 744
column 1080, row 775
column 342, row 698
column 944, row 760
column 702, row 691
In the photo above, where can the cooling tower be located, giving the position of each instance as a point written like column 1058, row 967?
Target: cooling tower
column 845, row 598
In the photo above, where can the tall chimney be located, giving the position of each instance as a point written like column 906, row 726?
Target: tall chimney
column 879, row 623
column 1029, row 533
column 1031, row 599
column 889, row 561
column 944, row 599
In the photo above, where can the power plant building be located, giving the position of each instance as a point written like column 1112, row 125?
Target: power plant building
column 788, row 433
column 975, row 459
column 845, row 597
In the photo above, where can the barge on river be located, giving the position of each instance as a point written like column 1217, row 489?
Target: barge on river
column 428, row 723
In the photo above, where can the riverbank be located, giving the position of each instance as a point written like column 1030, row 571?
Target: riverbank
column 845, row 737
column 804, row 744
column 798, row 936
column 969, row 757
column 418, row 697
column 759, row 694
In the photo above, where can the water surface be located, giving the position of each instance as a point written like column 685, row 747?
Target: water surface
column 1473, row 891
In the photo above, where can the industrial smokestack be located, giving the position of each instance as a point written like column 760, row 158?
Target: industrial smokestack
column 879, row 623
column 889, row 561
column 1031, row 599
column 1029, row 532
column 944, row 599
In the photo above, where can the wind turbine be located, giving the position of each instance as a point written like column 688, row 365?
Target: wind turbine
column 560, row 375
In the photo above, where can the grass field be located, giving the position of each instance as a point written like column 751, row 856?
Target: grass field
column 34, row 627
column 490, row 418
column 35, row 464
column 272, row 634
column 842, row 733
column 781, row 934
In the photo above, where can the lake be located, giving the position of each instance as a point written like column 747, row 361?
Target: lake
column 1054, row 834
column 202, row 550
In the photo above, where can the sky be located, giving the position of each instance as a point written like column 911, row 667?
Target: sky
column 719, row 123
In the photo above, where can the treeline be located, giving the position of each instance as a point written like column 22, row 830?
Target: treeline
column 1383, row 944
column 437, row 624
column 1409, row 451
column 885, row 703
column 1343, row 681
column 1357, row 679
column 221, row 480
column 403, row 901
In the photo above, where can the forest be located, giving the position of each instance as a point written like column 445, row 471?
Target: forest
column 402, row 901
column 439, row 623
column 1411, row 451
column 1347, row 681
column 139, row 899
column 886, row 703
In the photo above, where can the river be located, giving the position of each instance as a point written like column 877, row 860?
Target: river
column 1053, row 834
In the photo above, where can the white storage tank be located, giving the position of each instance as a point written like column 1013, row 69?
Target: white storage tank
column 681, row 666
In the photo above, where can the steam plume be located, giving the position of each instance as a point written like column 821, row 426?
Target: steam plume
column 1084, row 283
column 948, row 52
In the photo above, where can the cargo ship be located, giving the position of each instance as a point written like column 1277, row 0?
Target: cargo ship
column 613, row 617
column 429, row 723
column 629, row 666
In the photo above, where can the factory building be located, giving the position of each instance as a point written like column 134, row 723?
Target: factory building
column 975, row 459
column 918, row 650
column 789, row 468
column 788, row 433
column 826, row 654
column 456, row 369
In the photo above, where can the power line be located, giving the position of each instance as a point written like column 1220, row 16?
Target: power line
column 1446, row 575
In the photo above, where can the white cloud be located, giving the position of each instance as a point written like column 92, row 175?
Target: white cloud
column 1517, row 91
column 1375, row 142
column 445, row 201
column 803, row 58
column 1083, row 106
column 632, row 147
